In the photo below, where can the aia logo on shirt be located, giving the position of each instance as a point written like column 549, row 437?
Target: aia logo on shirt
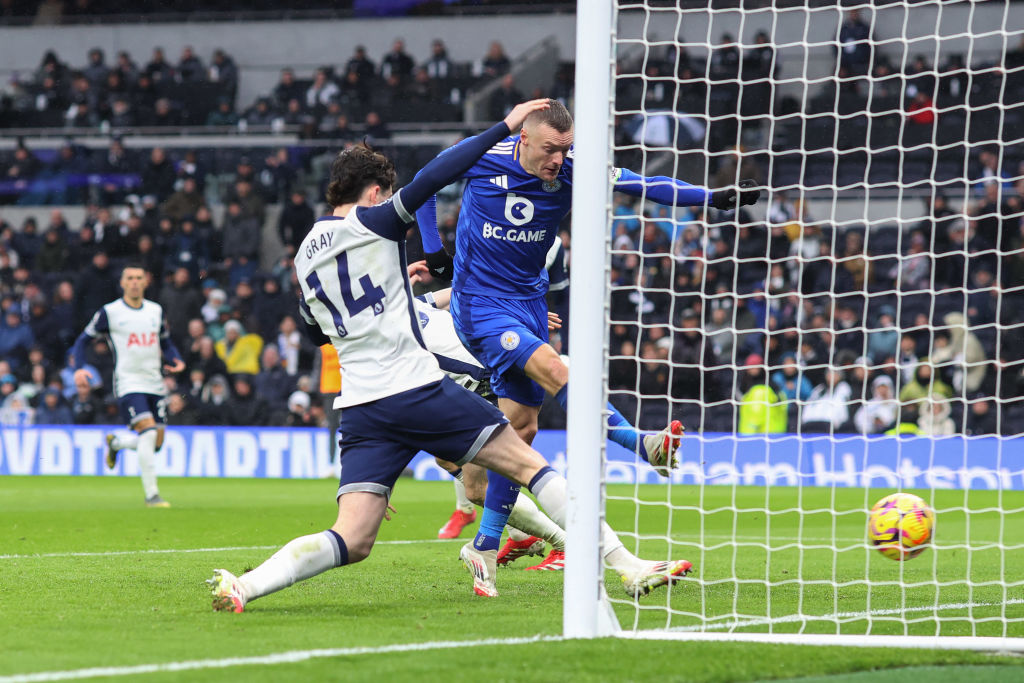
column 143, row 339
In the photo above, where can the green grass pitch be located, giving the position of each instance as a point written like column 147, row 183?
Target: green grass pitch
column 80, row 587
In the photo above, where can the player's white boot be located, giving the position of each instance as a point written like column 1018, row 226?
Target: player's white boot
column 482, row 565
column 661, row 448
column 227, row 591
column 653, row 575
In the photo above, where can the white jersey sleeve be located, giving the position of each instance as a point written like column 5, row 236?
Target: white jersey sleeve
column 355, row 289
column 441, row 339
column 135, row 336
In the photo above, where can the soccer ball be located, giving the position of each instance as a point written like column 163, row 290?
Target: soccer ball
column 901, row 526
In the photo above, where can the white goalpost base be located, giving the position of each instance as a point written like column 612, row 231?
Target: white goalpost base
column 977, row 643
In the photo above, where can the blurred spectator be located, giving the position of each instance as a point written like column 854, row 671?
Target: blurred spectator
column 273, row 383
column 241, row 242
column 295, row 221
column 376, row 129
column 964, row 355
column 190, row 68
column 828, row 408
column 879, row 414
column 246, row 408
column 223, row 115
column 397, row 62
column 158, row 176
column 761, row 410
column 981, row 417
column 924, row 386
column 287, row 89
column 184, row 202
column 289, row 344
column 180, row 410
column 206, row 359
column 361, row 65
column 239, row 349
column 97, row 284
column 504, row 98
column 935, row 419
column 15, row 338
column 158, row 70
column 214, row 406
column 299, row 413
column 883, row 341
column 495, row 63
column 855, row 50
column 53, row 410
column 181, row 303
column 86, row 406
column 224, row 71
column 439, row 66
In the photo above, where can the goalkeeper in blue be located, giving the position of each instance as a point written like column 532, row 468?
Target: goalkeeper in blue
column 514, row 199
column 355, row 294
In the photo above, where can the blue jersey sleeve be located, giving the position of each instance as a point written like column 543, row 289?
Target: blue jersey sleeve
column 98, row 326
column 391, row 219
column 426, row 217
column 660, row 189
column 170, row 351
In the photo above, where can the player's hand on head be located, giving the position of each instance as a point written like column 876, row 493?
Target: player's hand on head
column 519, row 113
column 418, row 272
column 730, row 198
column 440, row 264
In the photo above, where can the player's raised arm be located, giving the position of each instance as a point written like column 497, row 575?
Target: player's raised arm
column 669, row 191
column 445, row 169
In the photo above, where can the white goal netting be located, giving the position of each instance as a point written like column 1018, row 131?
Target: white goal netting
column 858, row 332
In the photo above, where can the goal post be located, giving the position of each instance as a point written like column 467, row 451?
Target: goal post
column 859, row 332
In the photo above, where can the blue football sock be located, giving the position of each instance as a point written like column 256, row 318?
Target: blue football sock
column 619, row 429
column 501, row 497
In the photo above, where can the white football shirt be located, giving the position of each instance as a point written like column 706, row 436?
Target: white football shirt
column 134, row 335
column 355, row 289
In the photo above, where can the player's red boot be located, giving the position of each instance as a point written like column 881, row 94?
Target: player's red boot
column 513, row 550
column 456, row 523
column 554, row 562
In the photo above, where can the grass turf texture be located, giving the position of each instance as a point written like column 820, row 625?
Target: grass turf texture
column 71, row 612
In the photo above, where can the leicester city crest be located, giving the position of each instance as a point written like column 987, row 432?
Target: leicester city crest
column 552, row 186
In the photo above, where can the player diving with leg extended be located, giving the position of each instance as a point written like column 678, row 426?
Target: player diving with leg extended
column 515, row 197
column 355, row 293
column 137, row 333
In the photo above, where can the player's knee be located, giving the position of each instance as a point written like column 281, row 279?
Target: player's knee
column 358, row 549
column 525, row 426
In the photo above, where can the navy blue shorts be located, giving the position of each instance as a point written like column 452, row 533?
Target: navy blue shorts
column 135, row 407
column 380, row 438
column 503, row 334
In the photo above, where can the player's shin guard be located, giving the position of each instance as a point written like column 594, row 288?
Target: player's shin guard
column 147, row 461
column 530, row 521
column 500, row 499
column 300, row 559
column 619, row 429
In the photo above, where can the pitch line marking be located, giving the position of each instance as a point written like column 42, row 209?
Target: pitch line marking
column 853, row 616
column 290, row 657
column 174, row 551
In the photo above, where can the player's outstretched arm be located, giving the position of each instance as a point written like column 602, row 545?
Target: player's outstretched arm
column 438, row 260
column 672, row 192
column 447, row 167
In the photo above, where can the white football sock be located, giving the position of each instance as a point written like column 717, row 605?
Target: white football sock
column 527, row 520
column 550, row 493
column 129, row 441
column 147, row 461
column 299, row 559
column 461, row 501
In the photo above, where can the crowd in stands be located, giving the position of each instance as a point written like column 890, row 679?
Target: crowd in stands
column 796, row 324
column 726, row 322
